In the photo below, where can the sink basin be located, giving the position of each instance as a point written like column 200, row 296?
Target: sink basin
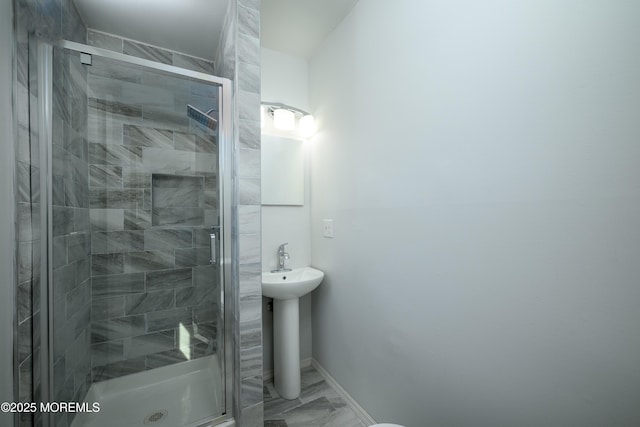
column 291, row 284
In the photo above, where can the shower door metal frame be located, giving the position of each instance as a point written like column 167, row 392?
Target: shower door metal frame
column 225, row 190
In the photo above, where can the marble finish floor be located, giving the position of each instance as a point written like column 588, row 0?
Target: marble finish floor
column 318, row 405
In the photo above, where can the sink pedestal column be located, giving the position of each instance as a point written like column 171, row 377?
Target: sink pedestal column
column 286, row 347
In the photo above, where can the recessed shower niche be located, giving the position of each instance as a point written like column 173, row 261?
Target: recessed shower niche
column 177, row 200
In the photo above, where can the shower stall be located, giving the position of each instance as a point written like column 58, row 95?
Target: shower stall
column 135, row 211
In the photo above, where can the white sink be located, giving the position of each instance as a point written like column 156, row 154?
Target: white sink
column 286, row 288
column 291, row 284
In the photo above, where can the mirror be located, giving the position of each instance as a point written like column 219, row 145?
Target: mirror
column 282, row 171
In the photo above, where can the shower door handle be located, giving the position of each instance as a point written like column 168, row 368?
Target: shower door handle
column 213, row 245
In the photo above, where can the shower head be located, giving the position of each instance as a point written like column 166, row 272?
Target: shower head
column 203, row 118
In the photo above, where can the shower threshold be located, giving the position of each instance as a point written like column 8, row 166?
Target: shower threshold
column 184, row 394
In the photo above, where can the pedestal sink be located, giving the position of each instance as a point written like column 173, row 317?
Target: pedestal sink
column 286, row 288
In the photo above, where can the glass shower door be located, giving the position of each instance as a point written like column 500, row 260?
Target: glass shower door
column 136, row 292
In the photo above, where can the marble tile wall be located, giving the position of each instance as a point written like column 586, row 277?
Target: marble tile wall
column 238, row 59
column 70, row 230
column 57, row 19
column 153, row 195
column 153, row 53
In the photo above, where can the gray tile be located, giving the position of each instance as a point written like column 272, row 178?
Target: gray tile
column 206, row 276
column 24, row 181
column 184, row 141
column 24, row 228
column 78, row 246
column 171, row 191
column 201, row 237
column 193, row 63
column 117, row 284
column 249, row 191
column 251, row 390
column 206, row 144
column 117, row 71
column 24, row 340
column 167, row 161
column 118, row 328
column 65, row 280
column 139, row 219
column 105, row 176
column 249, row 133
column 178, row 216
column 275, row 408
column 132, row 178
column 25, row 380
column 167, row 239
column 78, row 299
column 116, row 109
column 192, row 257
column 206, row 313
column 193, row 296
column 149, row 301
column 106, row 219
column 165, row 358
column 168, row 319
column 117, row 241
column 249, row 21
column 115, row 199
column 249, row 163
column 251, row 361
column 253, row 416
column 249, row 49
column 102, row 264
column 24, row 301
column 147, row 52
column 165, row 118
column 149, row 343
column 169, row 278
column 148, row 261
column 104, row 41
column 62, row 220
column 312, row 414
column 112, row 154
column 107, row 308
column 147, row 137
column 248, row 105
column 343, row 417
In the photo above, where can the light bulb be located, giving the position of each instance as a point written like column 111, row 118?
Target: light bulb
column 284, row 119
column 307, row 126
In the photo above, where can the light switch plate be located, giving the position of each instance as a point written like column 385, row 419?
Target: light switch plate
column 327, row 228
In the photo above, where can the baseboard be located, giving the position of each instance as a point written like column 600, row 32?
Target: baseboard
column 350, row 401
column 268, row 374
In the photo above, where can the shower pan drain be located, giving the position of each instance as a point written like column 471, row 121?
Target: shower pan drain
column 155, row 417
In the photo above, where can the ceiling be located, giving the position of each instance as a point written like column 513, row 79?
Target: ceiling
column 296, row 27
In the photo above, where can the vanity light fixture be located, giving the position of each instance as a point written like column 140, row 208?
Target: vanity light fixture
column 287, row 119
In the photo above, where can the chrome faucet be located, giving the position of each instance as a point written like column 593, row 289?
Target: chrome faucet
column 282, row 257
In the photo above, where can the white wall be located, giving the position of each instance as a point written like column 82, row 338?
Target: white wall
column 481, row 163
column 7, row 195
column 285, row 80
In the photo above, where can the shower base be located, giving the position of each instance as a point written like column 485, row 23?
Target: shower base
column 184, row 394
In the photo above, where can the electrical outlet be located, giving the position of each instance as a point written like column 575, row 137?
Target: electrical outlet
column 327, row 228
